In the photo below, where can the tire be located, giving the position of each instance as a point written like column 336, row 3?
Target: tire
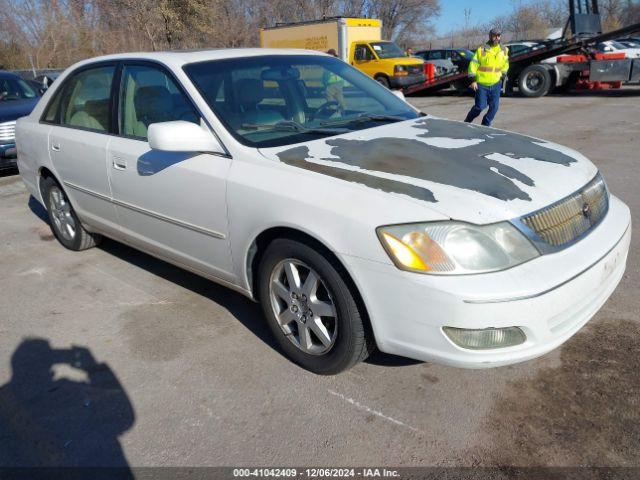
column 382, row 80
column 64, row 222
column 534, row 81
column 346, row 340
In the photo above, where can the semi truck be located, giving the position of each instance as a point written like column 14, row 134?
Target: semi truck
column 577, row 65
column 357, row 41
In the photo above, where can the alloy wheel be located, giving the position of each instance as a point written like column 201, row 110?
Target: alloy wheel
column 61, row 214
column 303, row 306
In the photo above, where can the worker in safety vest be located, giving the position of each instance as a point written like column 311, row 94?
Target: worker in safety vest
column 333, row 86
column 487, row 68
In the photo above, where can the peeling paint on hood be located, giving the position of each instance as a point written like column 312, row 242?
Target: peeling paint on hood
column 465, row 171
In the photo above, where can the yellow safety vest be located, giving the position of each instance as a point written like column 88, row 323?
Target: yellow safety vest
column 330, row 78
column 489, row 64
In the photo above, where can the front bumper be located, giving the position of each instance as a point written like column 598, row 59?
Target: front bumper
column 406, row 81
column 549, row 298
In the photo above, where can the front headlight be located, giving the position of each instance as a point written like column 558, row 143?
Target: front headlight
column 455, row 248
column 401, row 70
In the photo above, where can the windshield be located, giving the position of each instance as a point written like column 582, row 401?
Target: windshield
column 387, row 50
column 15, row 89
column 275, row 100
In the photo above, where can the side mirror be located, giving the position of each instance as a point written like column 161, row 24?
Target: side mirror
column 181, row 136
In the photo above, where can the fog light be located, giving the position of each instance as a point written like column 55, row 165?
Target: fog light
column 486, row 338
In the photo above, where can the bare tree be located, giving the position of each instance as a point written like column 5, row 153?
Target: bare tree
column 56, row 33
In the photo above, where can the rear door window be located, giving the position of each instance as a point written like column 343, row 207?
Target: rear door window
column 84, row 100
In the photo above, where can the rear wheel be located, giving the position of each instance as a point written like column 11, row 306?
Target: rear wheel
column 310, row 309
column 63, row 220
column 534, row 81
column 382, row 80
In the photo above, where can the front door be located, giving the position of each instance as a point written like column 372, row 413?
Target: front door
column 365, row 60
column 168, row 203
column 78, row 143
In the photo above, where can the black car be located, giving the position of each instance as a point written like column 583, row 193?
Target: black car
column 17, row 99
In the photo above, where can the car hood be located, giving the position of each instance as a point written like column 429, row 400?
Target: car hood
column 463, row 171
column 14, row 109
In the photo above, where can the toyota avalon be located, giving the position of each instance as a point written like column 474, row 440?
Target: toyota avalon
column 354, row 219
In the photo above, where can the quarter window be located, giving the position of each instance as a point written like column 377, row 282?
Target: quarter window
column 148, row 95
column 84, row 102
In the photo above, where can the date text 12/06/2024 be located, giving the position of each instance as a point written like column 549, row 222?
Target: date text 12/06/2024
column 316, row 472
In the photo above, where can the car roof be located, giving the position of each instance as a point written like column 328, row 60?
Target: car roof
column 6, row 73
column 179, row 58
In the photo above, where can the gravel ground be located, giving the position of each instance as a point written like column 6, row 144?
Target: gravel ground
column 173, row 370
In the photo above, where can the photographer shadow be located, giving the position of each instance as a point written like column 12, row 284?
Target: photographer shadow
column 63, row 409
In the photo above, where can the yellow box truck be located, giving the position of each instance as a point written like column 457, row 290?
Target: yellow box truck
column 355, row 40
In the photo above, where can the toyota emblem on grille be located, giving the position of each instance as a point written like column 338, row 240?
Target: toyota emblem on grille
column 586, row 210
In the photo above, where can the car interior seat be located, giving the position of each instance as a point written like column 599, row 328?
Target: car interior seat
column 152, row 104
column 249, row 93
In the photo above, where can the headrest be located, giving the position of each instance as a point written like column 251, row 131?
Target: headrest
column 153, row 101
column 250, row 91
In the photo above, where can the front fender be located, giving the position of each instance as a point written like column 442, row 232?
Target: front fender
column 342, row 215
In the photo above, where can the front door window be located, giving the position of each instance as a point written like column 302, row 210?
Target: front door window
column 148, row 95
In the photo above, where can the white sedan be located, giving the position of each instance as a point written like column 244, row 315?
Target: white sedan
column 611, row 46
column 355, row 220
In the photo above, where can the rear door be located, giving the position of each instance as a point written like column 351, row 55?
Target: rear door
column 168, row 202
column 81, row 116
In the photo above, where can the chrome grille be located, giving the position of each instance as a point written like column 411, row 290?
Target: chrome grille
column 415, row 69
column 572, row 217
column 7, row 131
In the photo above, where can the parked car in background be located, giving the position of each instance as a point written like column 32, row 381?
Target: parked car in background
column 612, row 46
column 516, row 48
column 629, row 43
column 354, row 219
column 447, row 60
column 17, row 99
column 519, row 48
column 47, row 79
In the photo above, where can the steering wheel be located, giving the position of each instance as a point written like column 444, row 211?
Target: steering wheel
column 326, row 109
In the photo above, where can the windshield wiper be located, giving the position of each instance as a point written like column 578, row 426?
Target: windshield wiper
column 292, row 126
column 366, row 117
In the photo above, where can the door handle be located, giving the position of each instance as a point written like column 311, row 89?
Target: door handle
column 119, row 163
column 55, row 147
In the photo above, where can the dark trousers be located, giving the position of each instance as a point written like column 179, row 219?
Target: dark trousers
column 486, row 96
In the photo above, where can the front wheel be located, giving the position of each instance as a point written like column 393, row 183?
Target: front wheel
column 311, row 311
column 382, row 80
column 63, row 220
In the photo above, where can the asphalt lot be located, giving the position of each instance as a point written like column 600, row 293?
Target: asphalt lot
column 186, row 374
